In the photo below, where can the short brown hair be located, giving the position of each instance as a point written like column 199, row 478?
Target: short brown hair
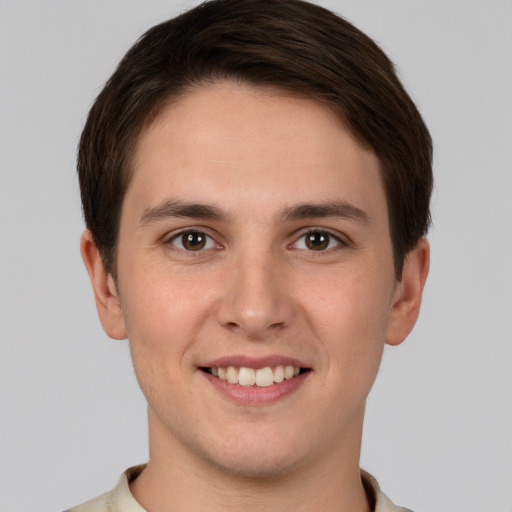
column 290, row 44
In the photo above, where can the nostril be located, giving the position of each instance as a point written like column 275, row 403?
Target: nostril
column 254, row 315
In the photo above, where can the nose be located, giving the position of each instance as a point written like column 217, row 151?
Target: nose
column 256, row 301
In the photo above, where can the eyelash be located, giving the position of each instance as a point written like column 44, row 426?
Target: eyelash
column 331, row 237
column 209, row 243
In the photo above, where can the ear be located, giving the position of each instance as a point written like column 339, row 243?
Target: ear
column 105, row 292
column 406, row 303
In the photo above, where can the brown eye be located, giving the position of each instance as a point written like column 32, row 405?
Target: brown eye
column 192, row 241
column 317, row 241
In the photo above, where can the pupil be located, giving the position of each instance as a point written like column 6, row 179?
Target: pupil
column 194, row 241
column 317, row 241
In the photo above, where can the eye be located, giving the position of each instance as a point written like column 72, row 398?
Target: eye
column 192, row 240
column 317, row 241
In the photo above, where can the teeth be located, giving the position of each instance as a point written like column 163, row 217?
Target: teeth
column 232, row 375
column 246, row 377
column 264, row 377
column 288, row 372
column 261, row 377
column 279, row 374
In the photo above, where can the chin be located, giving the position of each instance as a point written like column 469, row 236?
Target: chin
column 260, row 454
column 257, row 466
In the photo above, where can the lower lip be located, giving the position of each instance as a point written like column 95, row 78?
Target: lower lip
column 256, row 395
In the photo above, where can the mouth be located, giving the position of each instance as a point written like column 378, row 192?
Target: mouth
column 257, row 377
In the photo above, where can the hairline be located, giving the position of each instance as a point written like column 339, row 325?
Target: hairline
column 173, row 97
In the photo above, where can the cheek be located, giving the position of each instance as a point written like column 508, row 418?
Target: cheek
column 357, row 300
column 159, row 301
column 160, row 326
column 163, row 315
column 350, row 317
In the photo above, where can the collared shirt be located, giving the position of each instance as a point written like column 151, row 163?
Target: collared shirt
column 120, row 499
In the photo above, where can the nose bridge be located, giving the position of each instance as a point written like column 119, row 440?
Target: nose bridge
column 255, row 301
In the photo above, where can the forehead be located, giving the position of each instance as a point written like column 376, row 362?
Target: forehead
column 251, row 141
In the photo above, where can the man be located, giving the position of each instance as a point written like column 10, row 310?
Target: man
column 255, row 184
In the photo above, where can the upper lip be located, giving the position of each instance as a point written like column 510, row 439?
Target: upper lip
column 254, row 362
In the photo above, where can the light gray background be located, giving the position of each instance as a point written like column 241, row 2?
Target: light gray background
column 439, row 423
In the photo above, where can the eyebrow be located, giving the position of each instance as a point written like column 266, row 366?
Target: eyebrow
column 341, row 209
column 177, row 208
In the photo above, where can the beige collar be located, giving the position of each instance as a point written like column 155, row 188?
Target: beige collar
column 121, row 499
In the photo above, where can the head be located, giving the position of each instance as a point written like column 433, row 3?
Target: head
column 255, row 183
column 295, row 46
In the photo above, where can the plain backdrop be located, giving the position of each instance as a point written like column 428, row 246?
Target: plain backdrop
column 438, row 432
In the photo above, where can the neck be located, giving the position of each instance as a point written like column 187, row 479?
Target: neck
column 177, row 479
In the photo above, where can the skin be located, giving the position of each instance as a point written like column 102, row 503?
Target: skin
column 256, row 289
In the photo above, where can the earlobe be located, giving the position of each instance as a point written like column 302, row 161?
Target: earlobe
column 406, row 303
column 105, row 292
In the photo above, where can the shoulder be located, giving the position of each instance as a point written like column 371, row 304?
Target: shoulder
column 119, row 499
column 379, row 500
column 99, row 504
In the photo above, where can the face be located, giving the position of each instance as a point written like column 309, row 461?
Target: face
column 255, row 279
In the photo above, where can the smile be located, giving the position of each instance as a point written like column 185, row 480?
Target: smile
column 260, row 377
